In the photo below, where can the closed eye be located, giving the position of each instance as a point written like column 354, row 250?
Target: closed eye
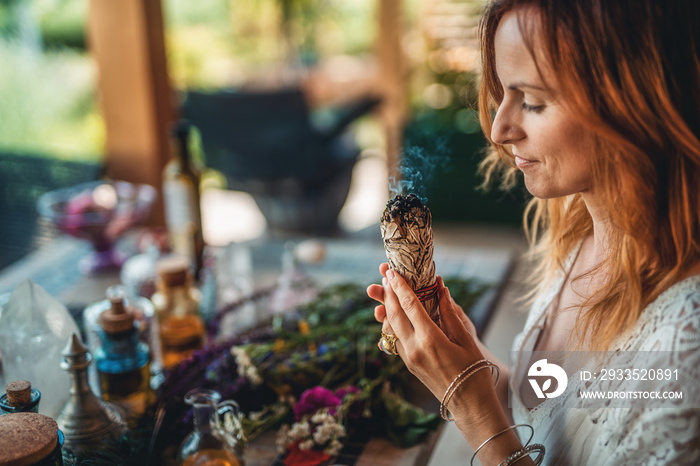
column 531, row 108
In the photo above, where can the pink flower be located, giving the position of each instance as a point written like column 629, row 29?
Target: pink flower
column 314, row 399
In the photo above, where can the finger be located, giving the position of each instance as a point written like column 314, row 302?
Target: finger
column 459, row 312
column 376, row 292
column 386, row 327
column 383, row 267
column 451, row 323
column 380, row 313
column 404, row 310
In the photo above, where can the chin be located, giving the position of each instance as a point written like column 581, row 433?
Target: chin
column 541, row 192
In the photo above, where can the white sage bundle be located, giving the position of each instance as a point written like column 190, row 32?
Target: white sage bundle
column 406, row 227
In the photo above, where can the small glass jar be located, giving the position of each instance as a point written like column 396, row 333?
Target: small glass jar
column 20, row 397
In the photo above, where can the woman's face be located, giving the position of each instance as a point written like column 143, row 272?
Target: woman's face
column 551, row 148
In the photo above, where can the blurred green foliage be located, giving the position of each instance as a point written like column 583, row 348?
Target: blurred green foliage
column 452, row 146
column 48, row 103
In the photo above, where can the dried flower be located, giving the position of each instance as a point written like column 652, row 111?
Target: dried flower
column 246, row 368
column 318, row 432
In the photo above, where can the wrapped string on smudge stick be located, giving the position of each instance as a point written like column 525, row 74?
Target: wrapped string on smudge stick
column 406, row 227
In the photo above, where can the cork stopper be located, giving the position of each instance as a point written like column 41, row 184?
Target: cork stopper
column 26, row 438
column 173, row 270
column 19, row 392
column 118, row 318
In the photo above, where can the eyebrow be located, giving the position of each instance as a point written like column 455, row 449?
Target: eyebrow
column 519, row 85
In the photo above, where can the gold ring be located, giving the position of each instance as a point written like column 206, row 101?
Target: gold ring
column 388, row 343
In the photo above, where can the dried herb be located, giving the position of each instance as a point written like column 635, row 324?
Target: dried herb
column 406, row 227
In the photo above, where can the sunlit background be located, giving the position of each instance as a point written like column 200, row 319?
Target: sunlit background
column 50, row 97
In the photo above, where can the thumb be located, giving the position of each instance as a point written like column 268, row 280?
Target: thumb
column 450, row 321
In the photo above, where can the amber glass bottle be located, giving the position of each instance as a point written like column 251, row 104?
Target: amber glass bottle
column 181, row 196
column 180, row 325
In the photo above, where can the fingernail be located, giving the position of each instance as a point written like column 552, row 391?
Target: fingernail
column 390, row 274
column 384, row 281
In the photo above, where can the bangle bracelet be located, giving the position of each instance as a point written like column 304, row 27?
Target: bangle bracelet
column 459, row 380
column 452, row 384
column 526, row 451
column 532, row 434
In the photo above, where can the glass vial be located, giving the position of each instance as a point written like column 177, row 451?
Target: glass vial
column 209, row 442
column 20, row 397
column 123, row 360
column 143, row 311
column 181, row 196
column 180, row 326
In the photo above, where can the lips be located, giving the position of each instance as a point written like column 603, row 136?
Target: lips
column 522, row 163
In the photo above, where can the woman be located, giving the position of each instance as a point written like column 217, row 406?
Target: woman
column 597, row 104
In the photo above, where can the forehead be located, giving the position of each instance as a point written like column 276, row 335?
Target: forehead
column 514, row 60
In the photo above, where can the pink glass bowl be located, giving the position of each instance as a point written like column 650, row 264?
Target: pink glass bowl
column 100, row 212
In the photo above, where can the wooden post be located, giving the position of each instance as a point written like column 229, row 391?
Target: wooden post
column 127, row 42
column 393, row 78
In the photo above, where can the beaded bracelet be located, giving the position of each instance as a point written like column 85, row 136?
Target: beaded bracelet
column 459, row 380
column 523, row 452
column 532, row 434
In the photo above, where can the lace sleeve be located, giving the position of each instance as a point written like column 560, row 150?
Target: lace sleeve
column 670, row 332
column 659, row 437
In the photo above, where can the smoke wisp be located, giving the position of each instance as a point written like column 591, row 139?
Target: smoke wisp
column 417, row 169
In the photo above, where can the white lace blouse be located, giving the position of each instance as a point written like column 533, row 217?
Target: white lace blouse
column 630, row 435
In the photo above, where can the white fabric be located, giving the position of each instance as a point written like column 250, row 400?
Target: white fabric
column 633, row 435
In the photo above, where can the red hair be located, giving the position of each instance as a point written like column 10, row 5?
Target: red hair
column 630, row 71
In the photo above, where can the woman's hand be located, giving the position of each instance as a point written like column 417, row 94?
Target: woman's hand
column 437, row 354
column 434, row 354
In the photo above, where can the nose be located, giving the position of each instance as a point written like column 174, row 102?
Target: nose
column 506, row 128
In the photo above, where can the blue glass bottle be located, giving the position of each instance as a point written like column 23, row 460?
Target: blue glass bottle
column 20, row 398
column 123, row 360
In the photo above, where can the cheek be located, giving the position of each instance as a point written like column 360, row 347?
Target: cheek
column 577, row 156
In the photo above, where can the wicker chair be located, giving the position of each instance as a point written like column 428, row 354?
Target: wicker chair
column 23, row 178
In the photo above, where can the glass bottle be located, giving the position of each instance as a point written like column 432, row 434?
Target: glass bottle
column 210, row 442
column 143, row 311
column 122, row 360
column 181, row 197
column 294, row 287
column 20, row 397
column 180, row 325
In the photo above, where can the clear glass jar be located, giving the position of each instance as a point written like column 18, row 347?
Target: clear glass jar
column 210, row 442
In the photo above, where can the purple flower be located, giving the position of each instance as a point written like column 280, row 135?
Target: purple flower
column 314, row 399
